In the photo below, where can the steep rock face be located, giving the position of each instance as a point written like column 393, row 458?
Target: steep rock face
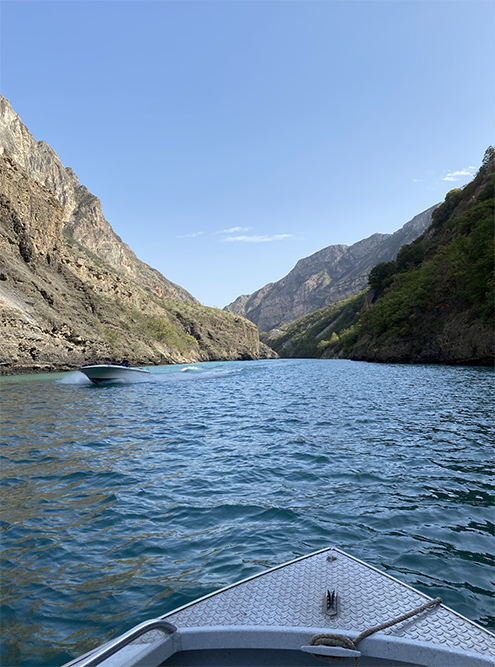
column 328, row 276
column 62, row 305
column 438, row 306
column 446, row 337
column 83, row 218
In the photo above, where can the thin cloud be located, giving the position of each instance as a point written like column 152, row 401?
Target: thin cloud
column 232, row 230
column 258, row 239
column 459, row 175
column 192, row 235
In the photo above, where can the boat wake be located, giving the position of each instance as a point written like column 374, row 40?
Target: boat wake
column 76, row 378
column 160, row 374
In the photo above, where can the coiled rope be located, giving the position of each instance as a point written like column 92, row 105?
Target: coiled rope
column 345, row 642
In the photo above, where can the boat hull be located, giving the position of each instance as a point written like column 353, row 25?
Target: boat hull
column 108, row 373
column 275, row 617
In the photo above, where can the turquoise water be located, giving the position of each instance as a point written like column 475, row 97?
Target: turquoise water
column 121, row 502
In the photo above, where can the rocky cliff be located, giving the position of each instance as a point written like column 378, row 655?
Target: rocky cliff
column 438, row 304
column 328, row 276
column 71, row 291
column 82, row 216
column 433, row 304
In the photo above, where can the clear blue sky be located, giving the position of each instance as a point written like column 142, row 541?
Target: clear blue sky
column 228, row 139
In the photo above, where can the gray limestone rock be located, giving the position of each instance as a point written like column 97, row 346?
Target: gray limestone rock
column 329, row 275
column 72, row 292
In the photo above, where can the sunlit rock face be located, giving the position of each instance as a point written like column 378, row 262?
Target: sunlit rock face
column 329, row 275
column 72, row 292
column 83, row 218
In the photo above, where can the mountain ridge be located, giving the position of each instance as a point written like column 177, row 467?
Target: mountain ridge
column 327, row 276
column 83, row 218
column 433, row 304
column 72, row 292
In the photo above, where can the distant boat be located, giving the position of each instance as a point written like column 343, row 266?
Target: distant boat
column 99, row 373
column 326, row 605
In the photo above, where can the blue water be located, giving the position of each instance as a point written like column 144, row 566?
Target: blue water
column 121, row 502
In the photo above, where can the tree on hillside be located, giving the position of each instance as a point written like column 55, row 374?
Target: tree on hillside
column 381, row 276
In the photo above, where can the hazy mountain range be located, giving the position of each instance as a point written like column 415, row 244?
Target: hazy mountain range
column 328, row 276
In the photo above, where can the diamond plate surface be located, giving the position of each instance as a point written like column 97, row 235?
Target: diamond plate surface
column 292, row 595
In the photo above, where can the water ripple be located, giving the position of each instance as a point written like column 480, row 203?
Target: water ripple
column 120, row 503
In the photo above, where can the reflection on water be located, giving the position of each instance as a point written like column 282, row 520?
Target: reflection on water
column 121, row 502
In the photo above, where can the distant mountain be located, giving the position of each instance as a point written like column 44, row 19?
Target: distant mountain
column 337, row 272
column 433, row 304
column 72, row 292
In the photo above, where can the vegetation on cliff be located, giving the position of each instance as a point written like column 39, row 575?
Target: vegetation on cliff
column 311, row 335
column 434, row 303
column 326, row 277
column 62, row 305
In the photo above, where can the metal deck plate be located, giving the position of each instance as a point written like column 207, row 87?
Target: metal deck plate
column 292, row 595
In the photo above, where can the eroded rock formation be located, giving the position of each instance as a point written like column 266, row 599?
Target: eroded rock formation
column 72, row 292
column 328, row 276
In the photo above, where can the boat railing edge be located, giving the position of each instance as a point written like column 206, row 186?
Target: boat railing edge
column 96, row 657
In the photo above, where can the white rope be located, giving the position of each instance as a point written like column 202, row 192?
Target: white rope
column 345, row 642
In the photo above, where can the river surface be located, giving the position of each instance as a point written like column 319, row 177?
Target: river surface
column 120, row 503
